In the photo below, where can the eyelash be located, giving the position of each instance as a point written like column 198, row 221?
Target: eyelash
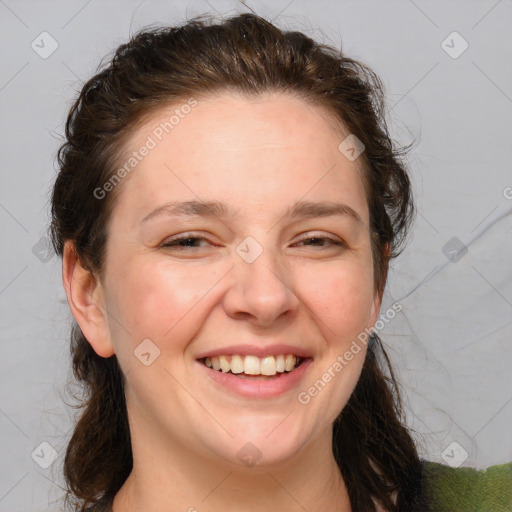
column 176, row 241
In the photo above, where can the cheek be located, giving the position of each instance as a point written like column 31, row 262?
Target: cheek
column 341, row 298
column 153, row 300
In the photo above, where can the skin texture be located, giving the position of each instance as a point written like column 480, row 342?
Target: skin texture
column 259, row 156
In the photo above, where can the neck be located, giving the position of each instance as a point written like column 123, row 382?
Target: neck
column 178, row 479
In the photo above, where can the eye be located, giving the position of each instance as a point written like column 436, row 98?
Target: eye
column 185, row 242
column 321, row 241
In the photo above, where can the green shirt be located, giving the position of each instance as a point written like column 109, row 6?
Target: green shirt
column 467, row 489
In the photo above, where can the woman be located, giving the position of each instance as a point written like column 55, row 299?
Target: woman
column 226, row 208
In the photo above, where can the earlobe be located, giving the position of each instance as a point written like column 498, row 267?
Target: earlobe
column 86, row 301
column 377, row 300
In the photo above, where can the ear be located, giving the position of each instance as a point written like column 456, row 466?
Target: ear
column 86, row 301
column 375, row 308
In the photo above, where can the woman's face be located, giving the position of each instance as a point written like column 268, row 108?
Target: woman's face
column 266, row 268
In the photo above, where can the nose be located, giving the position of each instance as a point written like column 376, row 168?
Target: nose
column 261, row 291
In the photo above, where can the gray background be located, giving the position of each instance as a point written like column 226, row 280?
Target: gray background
column 451, row 343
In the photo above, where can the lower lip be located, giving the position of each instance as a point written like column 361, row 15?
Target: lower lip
column 259, row 388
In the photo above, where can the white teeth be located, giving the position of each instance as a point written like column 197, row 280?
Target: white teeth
column 268, row 366
column 252, row 365
column 237, row 364
column 224, row 364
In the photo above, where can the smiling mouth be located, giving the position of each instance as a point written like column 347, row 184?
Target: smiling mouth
column 252, row 367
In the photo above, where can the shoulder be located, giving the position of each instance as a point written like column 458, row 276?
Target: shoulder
column 465, row 489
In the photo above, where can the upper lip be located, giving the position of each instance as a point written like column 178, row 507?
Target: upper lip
column 256, row 350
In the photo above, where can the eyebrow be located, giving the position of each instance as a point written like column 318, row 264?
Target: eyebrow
column 307, row 209
column 190, row 209
column 301, row 209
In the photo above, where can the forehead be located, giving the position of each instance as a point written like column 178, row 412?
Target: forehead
column 232, row 122
column 273, row 149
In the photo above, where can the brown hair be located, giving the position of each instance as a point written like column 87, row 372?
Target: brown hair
column 374, row 450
